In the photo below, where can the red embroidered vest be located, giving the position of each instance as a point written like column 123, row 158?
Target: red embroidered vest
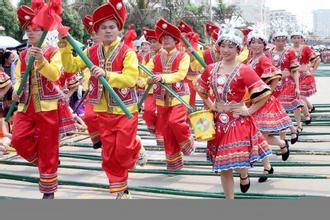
column 46, row 88
column 114, row 63
column 210, row 56
column 172, row 66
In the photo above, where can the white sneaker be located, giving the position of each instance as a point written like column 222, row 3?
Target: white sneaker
column 142, row 159
column 122, row 195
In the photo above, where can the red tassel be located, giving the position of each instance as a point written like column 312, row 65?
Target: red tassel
column 63, row 30
column 193, row 38
column 130, row 36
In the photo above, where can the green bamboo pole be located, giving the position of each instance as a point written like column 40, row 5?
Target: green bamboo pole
column 145, row 94
column 104, row 82
column 25, row 76
column 169, row 89
column 160, row 162
column 157, row 190
column 194, row 53
column 209, row 173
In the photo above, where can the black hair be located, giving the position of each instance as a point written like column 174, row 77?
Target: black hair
column 265, row 43
column 5, row 56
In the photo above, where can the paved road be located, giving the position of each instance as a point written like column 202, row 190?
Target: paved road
column 279, row 186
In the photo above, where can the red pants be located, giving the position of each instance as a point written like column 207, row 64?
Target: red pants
column 35, row 138
column 120, row 148
column 90, row 119
column 177, row 136
column 151, row 119
column 192, row 100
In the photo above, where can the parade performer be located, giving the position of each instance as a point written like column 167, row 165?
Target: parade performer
column 212, row 53
column 119, row 65
column 287, row 90
column 36, row 124
column 271, row 117
column 171, row 66
column 153, row 122
column 238, row 143
column 212, row 31
column 195, row 68
column 90, row 117
column 66, row 86
column 244, row 55
column 309, row 62
column 5, row 100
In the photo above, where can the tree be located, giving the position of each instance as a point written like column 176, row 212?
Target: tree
column 86, row 7
column 8, row 18
column 72, row 19
column 223, row 12
column 142, row 13
column 195, row 15
column 24, row 2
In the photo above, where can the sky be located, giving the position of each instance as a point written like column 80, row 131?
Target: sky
column 302, row 8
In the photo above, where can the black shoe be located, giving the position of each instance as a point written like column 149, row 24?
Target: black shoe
column 307, row 122
column 286, row 155
column 294, row 140
column 97, row 145
column 312, row 110
column 48, row 196
column 264, row 178
column 244, row 188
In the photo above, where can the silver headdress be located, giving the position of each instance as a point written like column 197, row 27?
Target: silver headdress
column 297, row 33
column 231, row 34
column 280, row 33
column 257, row 34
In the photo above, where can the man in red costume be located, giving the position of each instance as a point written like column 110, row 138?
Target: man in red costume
column 118, row 63
column 90, row 116
column 36, row 125
column 150, row 112
column 171, row 67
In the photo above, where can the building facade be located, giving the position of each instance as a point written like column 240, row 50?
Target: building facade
column 321, row 25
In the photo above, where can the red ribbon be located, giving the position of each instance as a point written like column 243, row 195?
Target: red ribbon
column 48, row 17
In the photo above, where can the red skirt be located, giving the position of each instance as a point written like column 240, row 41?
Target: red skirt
column 272, row 117
column 307, row 84
column 67, row 122
column 238, row 143
column 287, row 96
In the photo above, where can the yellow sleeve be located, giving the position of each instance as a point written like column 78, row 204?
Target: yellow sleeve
column 180, row 74
column 17, row 75
column 51, row 70
column 150, row 66
column 129, row 74
column 142, row 79
column 195, row 65
column 70, row 63
column 243, row 55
